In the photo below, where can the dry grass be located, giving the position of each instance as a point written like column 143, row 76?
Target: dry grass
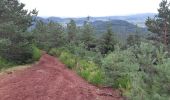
column 13, row 69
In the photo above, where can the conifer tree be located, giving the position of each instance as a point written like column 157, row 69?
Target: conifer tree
column 14, row 21
column 160, row 24
column 133, row 39
column 88, row 34
column 13, row 15
column 107, row 41
column 71, row 30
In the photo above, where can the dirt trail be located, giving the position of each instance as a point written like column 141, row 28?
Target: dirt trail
column 50, row 80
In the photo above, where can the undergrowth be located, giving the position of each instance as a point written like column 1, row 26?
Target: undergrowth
column 87, row 69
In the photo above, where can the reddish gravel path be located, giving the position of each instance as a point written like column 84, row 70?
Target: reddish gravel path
column 50, row 80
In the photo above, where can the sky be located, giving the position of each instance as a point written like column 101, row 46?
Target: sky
column 95, row 8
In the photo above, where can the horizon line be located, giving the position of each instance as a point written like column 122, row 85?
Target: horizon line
column 96, row 16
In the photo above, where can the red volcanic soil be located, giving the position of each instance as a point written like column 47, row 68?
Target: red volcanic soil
column 49, row 79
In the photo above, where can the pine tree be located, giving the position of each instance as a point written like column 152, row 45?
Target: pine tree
column 133, row 39
column 48, row 35
column 88, row 34
column 107, row 41
column 14, row 21
column 13, row 15
column 161, row 23
column 71, row 30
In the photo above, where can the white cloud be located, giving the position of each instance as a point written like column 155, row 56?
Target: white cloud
column 76, row 8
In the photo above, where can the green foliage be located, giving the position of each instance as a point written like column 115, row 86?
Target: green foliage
column 141, row 72
column 68, row 59
column 124, row 82
column 160, row 23
column 71, row 30
column 90, row 72
column 56, row 51
column 145, row 53
column 107, row 42
column 65, row 56
column 133, row 40
column 80, row 50
column 36, row 53
column 96, row 77
column 14, row 15
column 87, row 36
column 119, row 64
column 87, row 69
column 5, row 64
column 48, row 35
column 14, row 21
column 17, row 51
column 161, row 55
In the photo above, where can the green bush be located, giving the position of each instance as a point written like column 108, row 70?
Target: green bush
column 96, row 77
column 16, row 49
column 118, row 64
column 124, row 82
column 79, row 50
column 54, row 52
column 36, row 53
column 5, row 64
column 48, row 35
column 57, row 51
column 65, row 56
column 19, row 53
column 141, row 72
column 68, row 59
column 14, row 52
column 90, row 71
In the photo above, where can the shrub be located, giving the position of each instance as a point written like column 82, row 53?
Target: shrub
column 117, row 65
column 5, row 64
column 96, row 77
column 90, row 71
column 56, row 51
column 19, row 53
column 36, row 53
column 124, row 82
column 14, row 52
column 16, row 49
column 65, row 56
column 141, row 72
column 79, row 50
column 68, row 59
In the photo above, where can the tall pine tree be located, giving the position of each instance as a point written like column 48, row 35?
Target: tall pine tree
column 14, row 21
column 13, row 15
column 71, row 30
column 107, row 41
column 88, row 34
column 160, row 24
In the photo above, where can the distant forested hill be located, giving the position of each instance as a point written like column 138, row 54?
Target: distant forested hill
column 122, row 26
column 138, row 19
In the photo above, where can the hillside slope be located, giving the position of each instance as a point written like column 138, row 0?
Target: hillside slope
column 120, row 27
column 51, row 80
column 138, row 19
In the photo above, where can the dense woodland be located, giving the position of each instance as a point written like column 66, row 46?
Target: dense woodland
column 140, row 67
